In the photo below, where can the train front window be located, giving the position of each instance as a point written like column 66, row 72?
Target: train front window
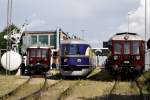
column 74, row 49
column 39, row 52
column 33, row 52
column 126, row 48
column 135, row 48
column 44, row 53
column 117, row 48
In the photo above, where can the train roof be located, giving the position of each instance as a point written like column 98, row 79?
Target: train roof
column 126, row 36
column 74, row 41
column 39, row 46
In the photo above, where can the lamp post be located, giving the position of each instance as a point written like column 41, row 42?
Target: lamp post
column 146, row 63
column 9, row 22
column 129, row 14
column 128, row 21
column 145, row 22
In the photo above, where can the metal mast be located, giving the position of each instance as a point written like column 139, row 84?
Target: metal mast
column 145, row 22
column 9, row 22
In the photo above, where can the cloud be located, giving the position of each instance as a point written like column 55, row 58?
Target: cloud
column 137, row 19
column 35, row 24
column 98, row 17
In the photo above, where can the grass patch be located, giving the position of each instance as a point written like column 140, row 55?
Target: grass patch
column 9, row 83
column 144, row 81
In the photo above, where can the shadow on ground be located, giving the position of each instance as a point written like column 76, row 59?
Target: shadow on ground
column 102, row 75
column 117, row 97
column 58, row 76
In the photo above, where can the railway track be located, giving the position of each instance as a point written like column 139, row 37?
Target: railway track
column 70, row 89
column 30, row 89
column 133, row 91
column 109, row 96
column 61, row 89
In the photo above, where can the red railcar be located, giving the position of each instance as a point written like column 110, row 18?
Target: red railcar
column 38, row 60
column 126, row 54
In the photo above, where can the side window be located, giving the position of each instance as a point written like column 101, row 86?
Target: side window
column 117, row 48
column 33, row 39
column 135, row 48
column 43, row 39
column 53, row 40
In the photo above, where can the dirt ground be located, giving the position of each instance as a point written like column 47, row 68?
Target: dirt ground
column 96, row 86
column 9, row 83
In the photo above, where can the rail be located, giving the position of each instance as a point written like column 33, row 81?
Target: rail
column 13, row 91
column 36, row 94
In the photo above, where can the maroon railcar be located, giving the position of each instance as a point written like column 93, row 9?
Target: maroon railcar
column 126, row 54
column 38, row 59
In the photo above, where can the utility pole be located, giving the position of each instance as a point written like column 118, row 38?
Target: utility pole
column 128, row 22
column 146, row 34
column 9, row 22
column 145, row 23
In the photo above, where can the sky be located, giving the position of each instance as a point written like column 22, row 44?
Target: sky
column 94, row 20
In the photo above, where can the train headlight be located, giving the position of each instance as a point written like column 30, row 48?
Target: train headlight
column 137, row 57
column 45, row 59
column 78, row 60
column 115, row 67
column 65, row 60
column 115, row 57
column 31, row 59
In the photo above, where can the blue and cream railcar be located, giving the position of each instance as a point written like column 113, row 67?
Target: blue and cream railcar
column 76, row 58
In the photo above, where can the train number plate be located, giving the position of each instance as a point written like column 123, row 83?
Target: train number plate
column 126, row 62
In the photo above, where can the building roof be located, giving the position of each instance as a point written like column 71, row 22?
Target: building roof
column 44, row 32
column 39, row 32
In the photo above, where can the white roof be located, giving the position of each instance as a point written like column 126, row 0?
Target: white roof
column 126, row 36
column 74, row 41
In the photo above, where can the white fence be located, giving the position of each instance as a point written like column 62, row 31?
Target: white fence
column 147, row 60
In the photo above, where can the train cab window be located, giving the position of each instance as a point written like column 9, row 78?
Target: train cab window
column 74, row 49
column 39, row 53
column 126, row 48
column 33, row 52
column 135, row 48
column 117, row 48
column 44, row 53
column 68, row 49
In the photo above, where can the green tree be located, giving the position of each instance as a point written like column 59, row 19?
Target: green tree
column 3, row 42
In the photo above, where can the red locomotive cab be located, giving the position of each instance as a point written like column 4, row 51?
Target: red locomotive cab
column 38, row 58
column 127, row 53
